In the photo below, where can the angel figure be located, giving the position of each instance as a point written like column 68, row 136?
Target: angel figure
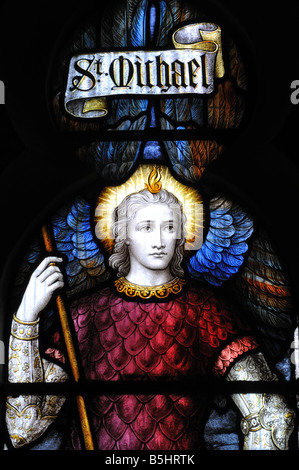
column 152, row 324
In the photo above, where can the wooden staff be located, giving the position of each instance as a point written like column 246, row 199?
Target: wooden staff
column 87, row 436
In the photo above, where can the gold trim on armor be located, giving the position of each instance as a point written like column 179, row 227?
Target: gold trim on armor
column 24, row 330
column 251, row 423
column 25, row 322
column 162, row 291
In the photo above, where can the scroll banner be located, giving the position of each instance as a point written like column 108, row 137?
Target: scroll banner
column 189, row 68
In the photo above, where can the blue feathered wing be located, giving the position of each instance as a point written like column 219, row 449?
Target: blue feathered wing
column 74, row 238
column 225, row 246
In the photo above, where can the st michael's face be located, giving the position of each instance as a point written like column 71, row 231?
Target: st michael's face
column 152, row 235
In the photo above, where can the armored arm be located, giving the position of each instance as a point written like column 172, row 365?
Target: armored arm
column 28, row 416
column 268, row 420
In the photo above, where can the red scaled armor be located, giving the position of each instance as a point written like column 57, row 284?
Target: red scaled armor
column 189, row 336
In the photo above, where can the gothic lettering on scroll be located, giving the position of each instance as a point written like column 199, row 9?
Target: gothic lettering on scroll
column 191, row 67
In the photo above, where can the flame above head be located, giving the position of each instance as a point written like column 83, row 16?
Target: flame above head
column 154, row 184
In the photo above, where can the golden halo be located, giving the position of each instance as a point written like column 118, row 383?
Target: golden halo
column 112, row 196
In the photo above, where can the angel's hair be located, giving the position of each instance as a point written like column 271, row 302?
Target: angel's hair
column 125, row 211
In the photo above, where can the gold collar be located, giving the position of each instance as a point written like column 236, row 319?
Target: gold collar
column 146, row 292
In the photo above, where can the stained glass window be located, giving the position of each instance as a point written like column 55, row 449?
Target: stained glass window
column 149, row 305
